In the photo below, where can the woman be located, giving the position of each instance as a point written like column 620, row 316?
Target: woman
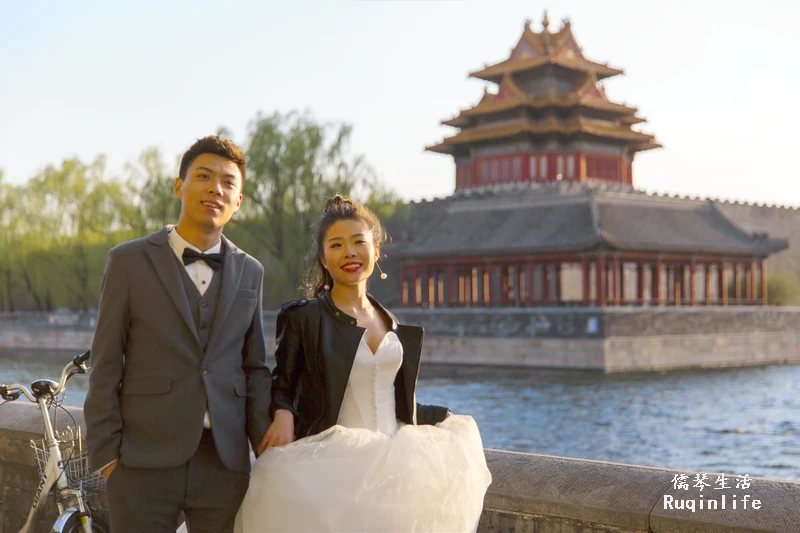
column 349, row 448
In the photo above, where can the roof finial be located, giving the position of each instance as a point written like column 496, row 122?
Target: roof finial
column 545, row 21
column 527, row 24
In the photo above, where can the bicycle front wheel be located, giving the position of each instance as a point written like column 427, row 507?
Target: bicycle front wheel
column 73, row 525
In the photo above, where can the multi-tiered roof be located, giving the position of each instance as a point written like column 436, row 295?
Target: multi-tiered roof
column 547, row 89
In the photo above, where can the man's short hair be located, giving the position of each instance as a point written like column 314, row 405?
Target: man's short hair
column 213, row 144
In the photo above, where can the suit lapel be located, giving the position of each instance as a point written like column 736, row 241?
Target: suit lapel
column 232, row 268
column 163, row 259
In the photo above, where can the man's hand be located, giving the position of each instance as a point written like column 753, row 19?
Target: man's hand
column 280, row 432
column 107, row 470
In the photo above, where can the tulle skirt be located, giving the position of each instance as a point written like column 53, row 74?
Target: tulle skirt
column 422, row 478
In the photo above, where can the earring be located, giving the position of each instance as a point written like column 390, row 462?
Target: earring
column 383, row 274
column 326, row 287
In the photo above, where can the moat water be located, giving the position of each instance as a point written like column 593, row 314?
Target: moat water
column 738, row 420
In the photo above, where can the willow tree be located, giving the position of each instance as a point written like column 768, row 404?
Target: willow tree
column 293, row 164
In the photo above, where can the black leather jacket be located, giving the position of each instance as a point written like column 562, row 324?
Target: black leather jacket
column 311, row 375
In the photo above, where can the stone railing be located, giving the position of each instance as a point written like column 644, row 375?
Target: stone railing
column 529, row 493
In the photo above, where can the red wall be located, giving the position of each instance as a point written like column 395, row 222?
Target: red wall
column 501, row 169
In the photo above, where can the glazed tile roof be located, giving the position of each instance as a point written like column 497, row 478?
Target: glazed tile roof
column 576, row 217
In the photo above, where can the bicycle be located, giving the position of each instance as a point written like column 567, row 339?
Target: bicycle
column 72, row 477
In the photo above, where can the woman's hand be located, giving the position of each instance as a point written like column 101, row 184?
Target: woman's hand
column 280, row 432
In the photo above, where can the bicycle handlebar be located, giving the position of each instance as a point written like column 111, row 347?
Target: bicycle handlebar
column 82, row 358
column 76, row 366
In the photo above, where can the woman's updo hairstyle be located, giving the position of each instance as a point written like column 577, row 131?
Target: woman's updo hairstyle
column 336, row 208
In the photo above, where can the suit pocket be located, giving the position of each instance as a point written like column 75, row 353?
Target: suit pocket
column 247, row 294
column 139, row 387
column 240, row 387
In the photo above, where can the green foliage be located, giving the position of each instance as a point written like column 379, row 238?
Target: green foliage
column 294, row 164
column 783, row 289
column 58, row 227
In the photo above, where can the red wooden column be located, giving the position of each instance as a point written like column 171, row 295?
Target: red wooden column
column 466, row 293
column 438, row 287
column 677, row 276
column 722, row 279
column 530, row 266
column 586, row 280
column 403, row 286
column 639, row 283
column 600, row 280
column 452, row 284
column 658, row 298
column 737, row 282
column 707, row 281
column 764, row 281
column 692, row 284
column 487, row 284
column 751, row 282
column 616, row 276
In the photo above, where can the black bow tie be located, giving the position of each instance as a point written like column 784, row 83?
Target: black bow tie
column 212, row 260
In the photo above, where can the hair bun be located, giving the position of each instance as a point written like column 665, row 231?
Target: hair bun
column 336, row 202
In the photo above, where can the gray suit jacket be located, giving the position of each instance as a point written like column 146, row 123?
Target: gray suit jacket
column 151, row 379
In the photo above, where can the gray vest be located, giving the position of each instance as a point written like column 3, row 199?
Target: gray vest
column 203, row 307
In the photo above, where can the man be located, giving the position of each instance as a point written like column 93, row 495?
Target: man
column 179, row 381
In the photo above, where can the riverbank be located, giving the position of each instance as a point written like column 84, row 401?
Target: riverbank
column 606, row 340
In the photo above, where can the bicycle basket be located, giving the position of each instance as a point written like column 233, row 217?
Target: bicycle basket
column 75, row 457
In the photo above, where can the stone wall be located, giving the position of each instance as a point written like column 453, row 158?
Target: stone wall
column 529, row 494
column 781, row 222
column 610, row 340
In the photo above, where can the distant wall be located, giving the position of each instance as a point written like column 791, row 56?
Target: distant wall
column 610, row 339
column 782, row 222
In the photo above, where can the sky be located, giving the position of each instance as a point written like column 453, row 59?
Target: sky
column 718, row 82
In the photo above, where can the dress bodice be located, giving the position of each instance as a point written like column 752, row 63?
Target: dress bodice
column 369, row 400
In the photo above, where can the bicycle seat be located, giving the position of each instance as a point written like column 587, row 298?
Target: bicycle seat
column 43, row 387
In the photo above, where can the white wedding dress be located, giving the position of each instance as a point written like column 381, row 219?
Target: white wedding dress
column 368, row 473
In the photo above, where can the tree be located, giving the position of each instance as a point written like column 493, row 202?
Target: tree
column 151, row 188
column 7, row 243
column 70, row 208
column 294, row 164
